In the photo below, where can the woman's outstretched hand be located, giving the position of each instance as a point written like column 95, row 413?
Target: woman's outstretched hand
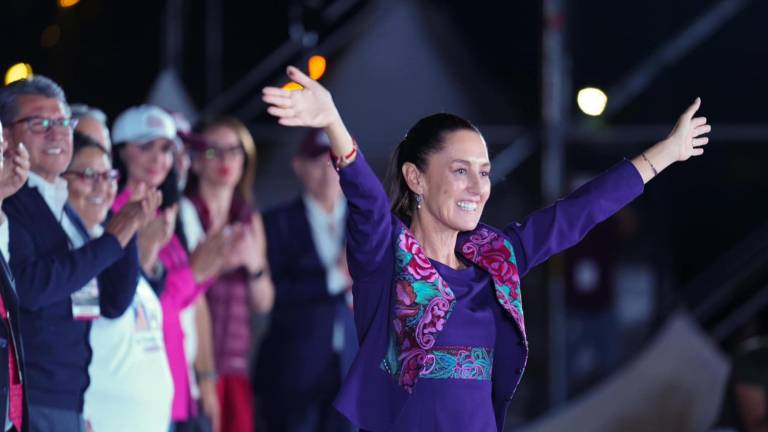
column 686, row 140
column 311, row 106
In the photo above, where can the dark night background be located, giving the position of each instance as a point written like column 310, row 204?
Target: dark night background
column 110, row 53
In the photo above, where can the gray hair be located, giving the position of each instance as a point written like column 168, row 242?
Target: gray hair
column 82, row 110
column 37, row 85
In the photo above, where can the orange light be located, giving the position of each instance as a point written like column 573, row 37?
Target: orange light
column 68, row 3
column 292, row 86
column 317, row 65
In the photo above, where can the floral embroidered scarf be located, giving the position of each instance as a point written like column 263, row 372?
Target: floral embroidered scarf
column 423, row 301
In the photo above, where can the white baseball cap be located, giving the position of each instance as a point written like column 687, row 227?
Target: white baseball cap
column 142, row 124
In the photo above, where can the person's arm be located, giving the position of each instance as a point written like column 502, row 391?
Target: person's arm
column 181, row 289
column 45, row 279
column 117, row 284
column 262, row 290
column 753, row 406
column 369, row 224
column 685, row 141
column 189, row 275
column 550, row 230
column 205, row 363
column 563, row 224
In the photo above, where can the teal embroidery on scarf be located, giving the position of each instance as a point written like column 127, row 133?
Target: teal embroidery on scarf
column 423, row 302
column 473, row 363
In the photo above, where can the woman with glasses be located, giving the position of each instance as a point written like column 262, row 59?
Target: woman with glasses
column 144, row 143
column 130, row 381
column 221, row 189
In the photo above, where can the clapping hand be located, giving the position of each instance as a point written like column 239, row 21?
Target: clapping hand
column 155, row 235
column 135, row 215
column 14, row 169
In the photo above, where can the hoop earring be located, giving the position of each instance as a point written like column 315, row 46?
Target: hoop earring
column 419, row 199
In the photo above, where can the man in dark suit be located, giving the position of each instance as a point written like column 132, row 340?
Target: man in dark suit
column 13, row 174
column 311, row 341
column 63, row 279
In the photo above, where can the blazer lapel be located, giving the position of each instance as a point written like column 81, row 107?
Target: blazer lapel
column 493, row 253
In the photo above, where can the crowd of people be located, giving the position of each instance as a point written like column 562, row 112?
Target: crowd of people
column 137, row 268
column 137, row 271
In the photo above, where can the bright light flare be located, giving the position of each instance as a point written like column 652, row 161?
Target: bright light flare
column 591, row 101
column 19, row 71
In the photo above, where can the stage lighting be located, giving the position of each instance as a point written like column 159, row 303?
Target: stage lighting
column 67, row 3
column 17, row 72
column 591, row 101
column 316, row 67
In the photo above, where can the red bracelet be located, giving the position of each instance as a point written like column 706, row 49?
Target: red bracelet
column 342, row 161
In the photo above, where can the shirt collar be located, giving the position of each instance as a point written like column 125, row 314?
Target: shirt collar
column 316, row 211
column 55, row 194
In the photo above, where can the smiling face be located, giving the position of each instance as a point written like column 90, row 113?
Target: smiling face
column 148, row 162
column 455, row 184
column 90, row 197
column 49, row 151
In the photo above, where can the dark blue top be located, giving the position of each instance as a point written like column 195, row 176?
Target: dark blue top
column 302, row 321
column 47, row 272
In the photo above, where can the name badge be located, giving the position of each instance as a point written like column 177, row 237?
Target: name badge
column 85, row 302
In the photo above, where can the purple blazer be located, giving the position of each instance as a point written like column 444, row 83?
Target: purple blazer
column 371, row 397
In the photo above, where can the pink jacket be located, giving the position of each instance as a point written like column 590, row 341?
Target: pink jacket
column 180, row 291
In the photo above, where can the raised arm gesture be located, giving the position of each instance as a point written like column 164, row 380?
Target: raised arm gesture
column 311, row 106
column 685, row 141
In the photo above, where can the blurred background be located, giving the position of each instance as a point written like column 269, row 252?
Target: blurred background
column 637, row 328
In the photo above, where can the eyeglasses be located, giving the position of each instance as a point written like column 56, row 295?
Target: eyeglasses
column 92, row 176
column 221, row 153
column 44, row 124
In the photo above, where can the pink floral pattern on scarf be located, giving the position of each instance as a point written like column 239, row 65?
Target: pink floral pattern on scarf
column 423, row 301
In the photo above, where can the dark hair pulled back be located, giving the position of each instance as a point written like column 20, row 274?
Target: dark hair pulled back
column 426, row 137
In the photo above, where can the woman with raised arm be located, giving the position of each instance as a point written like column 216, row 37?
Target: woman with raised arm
column 437, row 294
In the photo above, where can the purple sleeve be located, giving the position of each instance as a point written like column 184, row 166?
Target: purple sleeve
column 369, row 223
column 555, row 228
column 369, row 241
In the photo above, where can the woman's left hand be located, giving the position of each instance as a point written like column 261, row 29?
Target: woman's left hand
column 686, row 139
